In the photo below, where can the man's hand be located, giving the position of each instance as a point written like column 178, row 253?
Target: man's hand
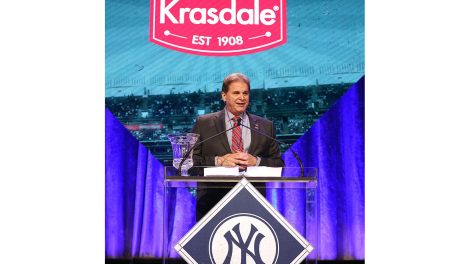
column 241, row 159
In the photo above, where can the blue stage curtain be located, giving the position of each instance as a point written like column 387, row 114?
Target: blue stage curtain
column 134, row 195
column 134, row 198
column 334, row 144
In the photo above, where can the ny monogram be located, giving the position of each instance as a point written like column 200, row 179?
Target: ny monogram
column 243, row 245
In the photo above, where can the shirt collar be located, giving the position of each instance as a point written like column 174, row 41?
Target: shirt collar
column 229, row 115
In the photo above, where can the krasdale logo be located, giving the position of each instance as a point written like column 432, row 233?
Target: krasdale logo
column 218, row 27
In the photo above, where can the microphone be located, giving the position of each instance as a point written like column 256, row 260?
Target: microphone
column 200, row 142
column 239, row 123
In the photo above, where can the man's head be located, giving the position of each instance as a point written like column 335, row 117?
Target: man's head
column 236, row 93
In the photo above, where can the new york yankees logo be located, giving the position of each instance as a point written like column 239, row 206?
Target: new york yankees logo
column 244, row 239
column 243, row 245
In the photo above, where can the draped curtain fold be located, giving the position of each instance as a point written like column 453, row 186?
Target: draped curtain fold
column 334, row 144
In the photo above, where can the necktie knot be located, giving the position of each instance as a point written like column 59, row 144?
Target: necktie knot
column 235, row 120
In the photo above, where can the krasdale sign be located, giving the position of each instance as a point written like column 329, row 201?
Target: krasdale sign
column 218, row 27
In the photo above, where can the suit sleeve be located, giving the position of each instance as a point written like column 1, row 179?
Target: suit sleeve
column 199, row 157
column 273, row 159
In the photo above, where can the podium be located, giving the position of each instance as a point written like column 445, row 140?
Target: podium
column 291, row 199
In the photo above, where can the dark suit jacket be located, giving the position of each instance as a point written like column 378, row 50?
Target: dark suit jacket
column 204, row 155
column 261, row 146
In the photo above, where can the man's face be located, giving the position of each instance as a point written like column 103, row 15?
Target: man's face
column 237, row 98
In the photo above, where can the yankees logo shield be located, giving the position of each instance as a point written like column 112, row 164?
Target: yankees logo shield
column 243, row 228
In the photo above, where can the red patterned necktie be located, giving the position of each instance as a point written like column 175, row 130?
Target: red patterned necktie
column 237, row 142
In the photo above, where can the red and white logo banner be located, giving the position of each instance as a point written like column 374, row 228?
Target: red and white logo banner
column 218, row 27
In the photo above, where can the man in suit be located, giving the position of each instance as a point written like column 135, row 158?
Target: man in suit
column 237, row 147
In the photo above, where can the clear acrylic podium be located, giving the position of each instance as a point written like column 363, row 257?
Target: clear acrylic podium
column 294, row 197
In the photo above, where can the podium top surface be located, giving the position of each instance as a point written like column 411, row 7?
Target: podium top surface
column 196, row 174
column 237, row 179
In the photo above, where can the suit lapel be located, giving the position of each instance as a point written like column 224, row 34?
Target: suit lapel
column 219, row 120
column 254, row 135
